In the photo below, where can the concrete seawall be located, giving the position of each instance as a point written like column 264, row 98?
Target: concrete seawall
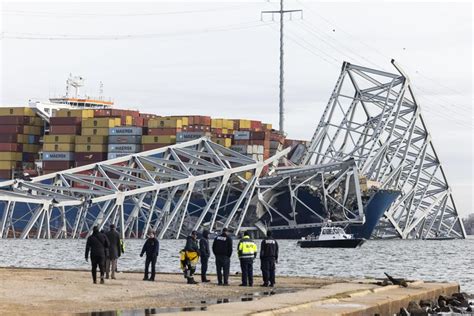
column 23, row 291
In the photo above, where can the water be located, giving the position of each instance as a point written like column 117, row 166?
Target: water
column 429, row 260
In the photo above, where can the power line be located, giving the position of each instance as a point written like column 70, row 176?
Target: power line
column 94, row 15
column 69, row 37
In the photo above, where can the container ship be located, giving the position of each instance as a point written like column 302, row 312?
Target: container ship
column 74, row 131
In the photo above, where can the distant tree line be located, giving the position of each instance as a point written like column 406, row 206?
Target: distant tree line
column 469, row 224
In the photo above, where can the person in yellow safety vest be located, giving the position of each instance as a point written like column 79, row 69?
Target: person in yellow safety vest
column 189, row 257
column 247, row 251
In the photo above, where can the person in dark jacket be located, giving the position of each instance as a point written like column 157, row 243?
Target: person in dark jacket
column 152, row 249
column 205, row 254
column 268, row 258
column 222, row 249
column 115, row 250
column 96, row 244
column 191, row 257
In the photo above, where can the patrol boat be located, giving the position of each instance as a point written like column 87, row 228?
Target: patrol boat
column 331, row 237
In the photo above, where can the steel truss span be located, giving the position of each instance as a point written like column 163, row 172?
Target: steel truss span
column 171, row 190
column 335, row 184
column 374, row 118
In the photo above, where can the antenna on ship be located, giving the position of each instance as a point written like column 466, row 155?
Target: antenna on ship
column 281, row 12
column 101, row 90
column 76, row 82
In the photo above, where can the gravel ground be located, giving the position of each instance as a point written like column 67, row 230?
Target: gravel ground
column 39, row 291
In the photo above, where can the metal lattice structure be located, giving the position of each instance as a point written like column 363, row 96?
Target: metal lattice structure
column 374, row 118
column 171, row 190
column 335, row 184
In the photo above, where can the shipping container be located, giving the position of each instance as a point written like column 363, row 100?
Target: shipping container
column 11, row 147
column 241, row 135
column 65, row 130
column 117, row 155
column 64, row 155
column 226, row 142
column 162, row 131
column 74, row 113
column 100, row 122
column 15, row 120
column 91, row 140
column 9, row 164
column 68, row 139
column 17, row 111
column 91, row 148
column 58, row 165
column 167, row 122
column 95, row 131
column 32, row 130
column 124, row 148
column 11, row 155
column 11, row 129
column 165, row 139
column 6, row 174
column 125, row 139
column 243, row 124
column 11, row 138
column 90, row 156
column 58, row 147
column 65, row 120
column 187, row 136
column 31, row 148
column 136, row 131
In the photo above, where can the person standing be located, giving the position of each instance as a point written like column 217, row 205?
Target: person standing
column 222, row 249
column 205, row 254
column 115, row 250
column 191, row 257
column 152, row 249
column 96, row 245
column 268, row 258
column 247, row 251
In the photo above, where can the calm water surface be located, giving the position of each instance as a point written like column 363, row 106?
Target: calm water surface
column 447, row 260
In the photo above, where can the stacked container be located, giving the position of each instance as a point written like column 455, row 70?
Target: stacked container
column 20, row 130
column 124, row 141
column 198, row 126
column 161, row 132
column 91, row 146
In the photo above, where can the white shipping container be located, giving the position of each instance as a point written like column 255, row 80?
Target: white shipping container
column 116, row 155
column 58, row 155
column 126, row 130
column 241, row 135
column 124, row 148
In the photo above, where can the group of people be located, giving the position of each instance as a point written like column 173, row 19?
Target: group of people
column 222, row 248
column 106, row 248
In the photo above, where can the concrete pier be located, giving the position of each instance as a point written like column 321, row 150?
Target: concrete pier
column 23, row 291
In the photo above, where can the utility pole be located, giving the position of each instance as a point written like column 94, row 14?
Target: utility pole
column 281, row 12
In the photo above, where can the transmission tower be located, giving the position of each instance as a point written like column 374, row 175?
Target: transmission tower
column 281, row 12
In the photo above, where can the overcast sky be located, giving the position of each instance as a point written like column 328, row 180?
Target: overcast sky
column 220, row 59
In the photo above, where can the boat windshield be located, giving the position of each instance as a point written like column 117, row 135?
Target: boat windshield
column 332, row 231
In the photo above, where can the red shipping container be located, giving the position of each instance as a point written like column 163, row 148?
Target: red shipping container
column 65, row 121
column 58, row 165
column 6, row 174
column 65, row 130
column 91, row 157
column 163, row 131
column 14, row 120
column 138, row 121
column 102, row 113
column 11, row 147
column 258, row 135
column 8, row 138
column 11, row 129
